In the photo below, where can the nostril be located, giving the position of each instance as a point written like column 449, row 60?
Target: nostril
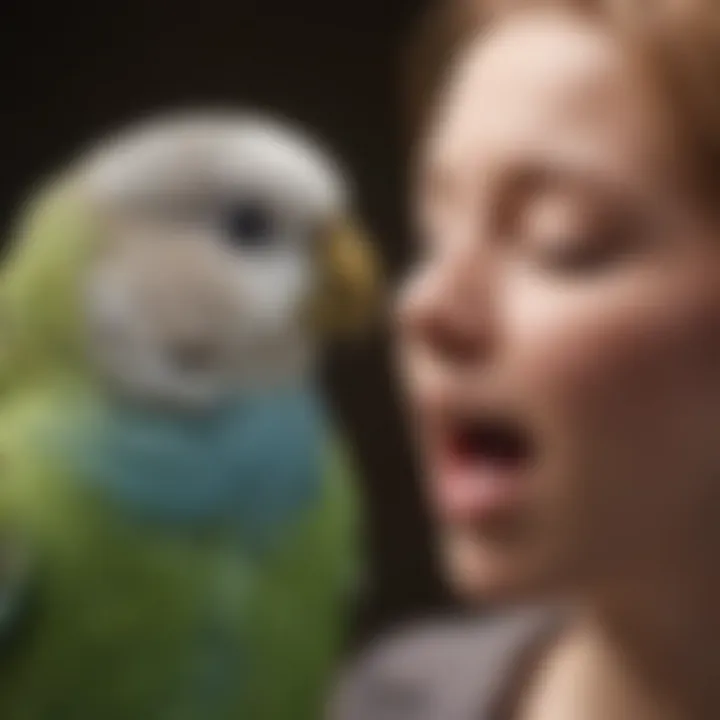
column 446, row 319
column 453, row 344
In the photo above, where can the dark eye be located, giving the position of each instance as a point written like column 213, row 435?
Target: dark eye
column 249, row 225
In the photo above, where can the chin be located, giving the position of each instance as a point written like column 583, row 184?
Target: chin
column 482, row 569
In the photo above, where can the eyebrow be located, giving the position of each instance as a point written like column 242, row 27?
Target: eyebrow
column 582, row 177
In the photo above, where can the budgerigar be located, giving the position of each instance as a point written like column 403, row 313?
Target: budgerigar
column 178, row 521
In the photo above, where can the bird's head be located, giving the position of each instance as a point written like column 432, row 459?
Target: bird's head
column 192, row 258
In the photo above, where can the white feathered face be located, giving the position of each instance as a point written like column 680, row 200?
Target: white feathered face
column 210, row 258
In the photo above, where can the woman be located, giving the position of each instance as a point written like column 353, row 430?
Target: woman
column 560, row 345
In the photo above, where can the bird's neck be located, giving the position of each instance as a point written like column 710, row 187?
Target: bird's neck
column 256, row 455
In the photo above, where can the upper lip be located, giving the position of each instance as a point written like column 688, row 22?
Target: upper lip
column 447, row 406
column 455, row 406
column 453, row 427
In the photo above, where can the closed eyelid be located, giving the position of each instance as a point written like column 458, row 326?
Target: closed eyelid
column 588, row 197
column 505, row 188
column 497, row 200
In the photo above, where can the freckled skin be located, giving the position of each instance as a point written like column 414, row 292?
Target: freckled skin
column 537, row 160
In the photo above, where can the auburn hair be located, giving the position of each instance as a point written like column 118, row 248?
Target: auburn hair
column 678, row 42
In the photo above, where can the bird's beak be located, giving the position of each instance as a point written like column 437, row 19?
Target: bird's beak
column 349, row 280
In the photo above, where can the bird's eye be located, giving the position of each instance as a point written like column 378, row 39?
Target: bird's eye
column 249, row 225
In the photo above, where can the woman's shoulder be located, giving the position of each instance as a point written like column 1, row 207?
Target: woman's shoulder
column 456, row 667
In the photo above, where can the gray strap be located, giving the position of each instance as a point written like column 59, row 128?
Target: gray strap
column 457, row 670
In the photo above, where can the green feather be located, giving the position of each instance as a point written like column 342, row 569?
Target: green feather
column 41, row 286
column 118, row 605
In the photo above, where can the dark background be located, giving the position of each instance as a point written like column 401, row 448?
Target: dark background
column 74, row 72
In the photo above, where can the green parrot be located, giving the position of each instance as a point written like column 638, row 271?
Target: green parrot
column 179, row 524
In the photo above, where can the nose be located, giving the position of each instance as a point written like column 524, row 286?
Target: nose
column 446, row 308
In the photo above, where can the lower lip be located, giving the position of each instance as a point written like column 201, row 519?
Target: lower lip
column 479, row 489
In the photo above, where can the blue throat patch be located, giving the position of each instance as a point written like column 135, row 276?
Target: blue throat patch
column 255, row 463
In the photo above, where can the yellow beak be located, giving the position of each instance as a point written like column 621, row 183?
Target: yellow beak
column 349, row 280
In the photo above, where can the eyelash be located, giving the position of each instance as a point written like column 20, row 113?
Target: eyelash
column 585, row 256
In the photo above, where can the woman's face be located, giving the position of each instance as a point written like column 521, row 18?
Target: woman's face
column 559, row 336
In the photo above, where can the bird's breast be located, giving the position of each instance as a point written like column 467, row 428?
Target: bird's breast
column 256, row 464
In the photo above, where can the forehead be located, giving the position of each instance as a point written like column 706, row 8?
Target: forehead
column 548, row 88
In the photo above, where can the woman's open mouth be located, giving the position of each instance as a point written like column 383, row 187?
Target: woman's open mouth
column 483, row 467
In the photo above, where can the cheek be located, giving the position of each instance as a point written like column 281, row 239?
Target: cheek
column 114, row 317
column 645, row 341
column 625, row 381
column 273, row 291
